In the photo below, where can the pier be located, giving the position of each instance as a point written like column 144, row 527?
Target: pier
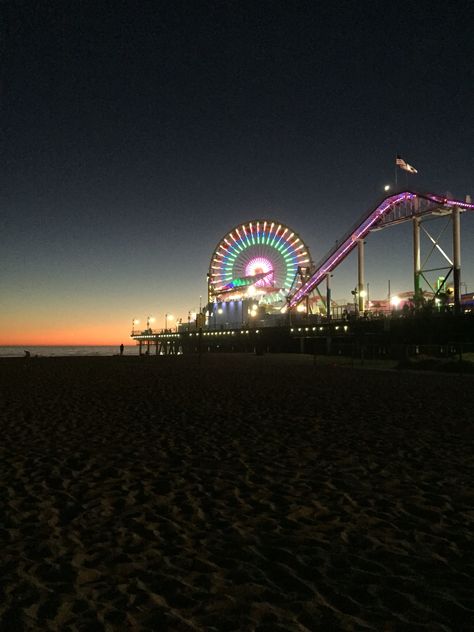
column 263, row 286
column 386, row 337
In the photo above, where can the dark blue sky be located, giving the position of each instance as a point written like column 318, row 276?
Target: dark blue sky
column 134, row 134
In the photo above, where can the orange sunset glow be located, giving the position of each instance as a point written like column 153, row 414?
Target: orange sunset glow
column 99, row 331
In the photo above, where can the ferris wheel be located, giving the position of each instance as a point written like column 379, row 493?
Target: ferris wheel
column 261, row 259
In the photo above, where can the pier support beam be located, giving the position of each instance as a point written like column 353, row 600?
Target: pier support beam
column 416, row 260
column 457, row 258
column 361, row 276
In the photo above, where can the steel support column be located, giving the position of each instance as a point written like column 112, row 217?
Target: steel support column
column 361, row 275
column 416, row 258
column 457, row 257
column 328, row 296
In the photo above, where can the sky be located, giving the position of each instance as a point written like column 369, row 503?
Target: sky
column 134, row 135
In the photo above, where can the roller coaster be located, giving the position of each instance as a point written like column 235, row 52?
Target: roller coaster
column 401, row 207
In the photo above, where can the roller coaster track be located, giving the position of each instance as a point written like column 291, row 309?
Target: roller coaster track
column 394, row 209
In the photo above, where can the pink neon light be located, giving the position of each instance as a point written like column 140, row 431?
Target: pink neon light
column 257, row 265
column 442, row 200
column 334, row 258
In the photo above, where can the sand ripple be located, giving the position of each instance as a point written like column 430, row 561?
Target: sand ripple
column 251, row 493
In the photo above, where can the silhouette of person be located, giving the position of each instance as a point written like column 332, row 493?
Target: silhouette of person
column 121, row 349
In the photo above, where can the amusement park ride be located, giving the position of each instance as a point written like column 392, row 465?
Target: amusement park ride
column 406, row 206
column 262, row 260
column 262, row 269
column 271, row 264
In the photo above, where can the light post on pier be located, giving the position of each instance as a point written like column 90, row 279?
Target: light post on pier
column 167, row 318
column 355, row 294
column 135, row 321
column 150, row 319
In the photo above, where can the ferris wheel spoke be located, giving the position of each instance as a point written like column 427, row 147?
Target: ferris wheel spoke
column 255, row 248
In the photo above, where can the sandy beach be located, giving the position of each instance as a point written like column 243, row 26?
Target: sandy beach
column 245, row 493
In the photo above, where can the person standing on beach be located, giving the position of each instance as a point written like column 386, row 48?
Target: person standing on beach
column 121, row 349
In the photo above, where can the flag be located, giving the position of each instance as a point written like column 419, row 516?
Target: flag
column 404, row 165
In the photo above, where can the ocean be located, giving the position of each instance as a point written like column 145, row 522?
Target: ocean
column 43, row 351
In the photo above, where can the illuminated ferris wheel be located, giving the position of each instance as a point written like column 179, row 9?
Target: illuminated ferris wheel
column 261, row 258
